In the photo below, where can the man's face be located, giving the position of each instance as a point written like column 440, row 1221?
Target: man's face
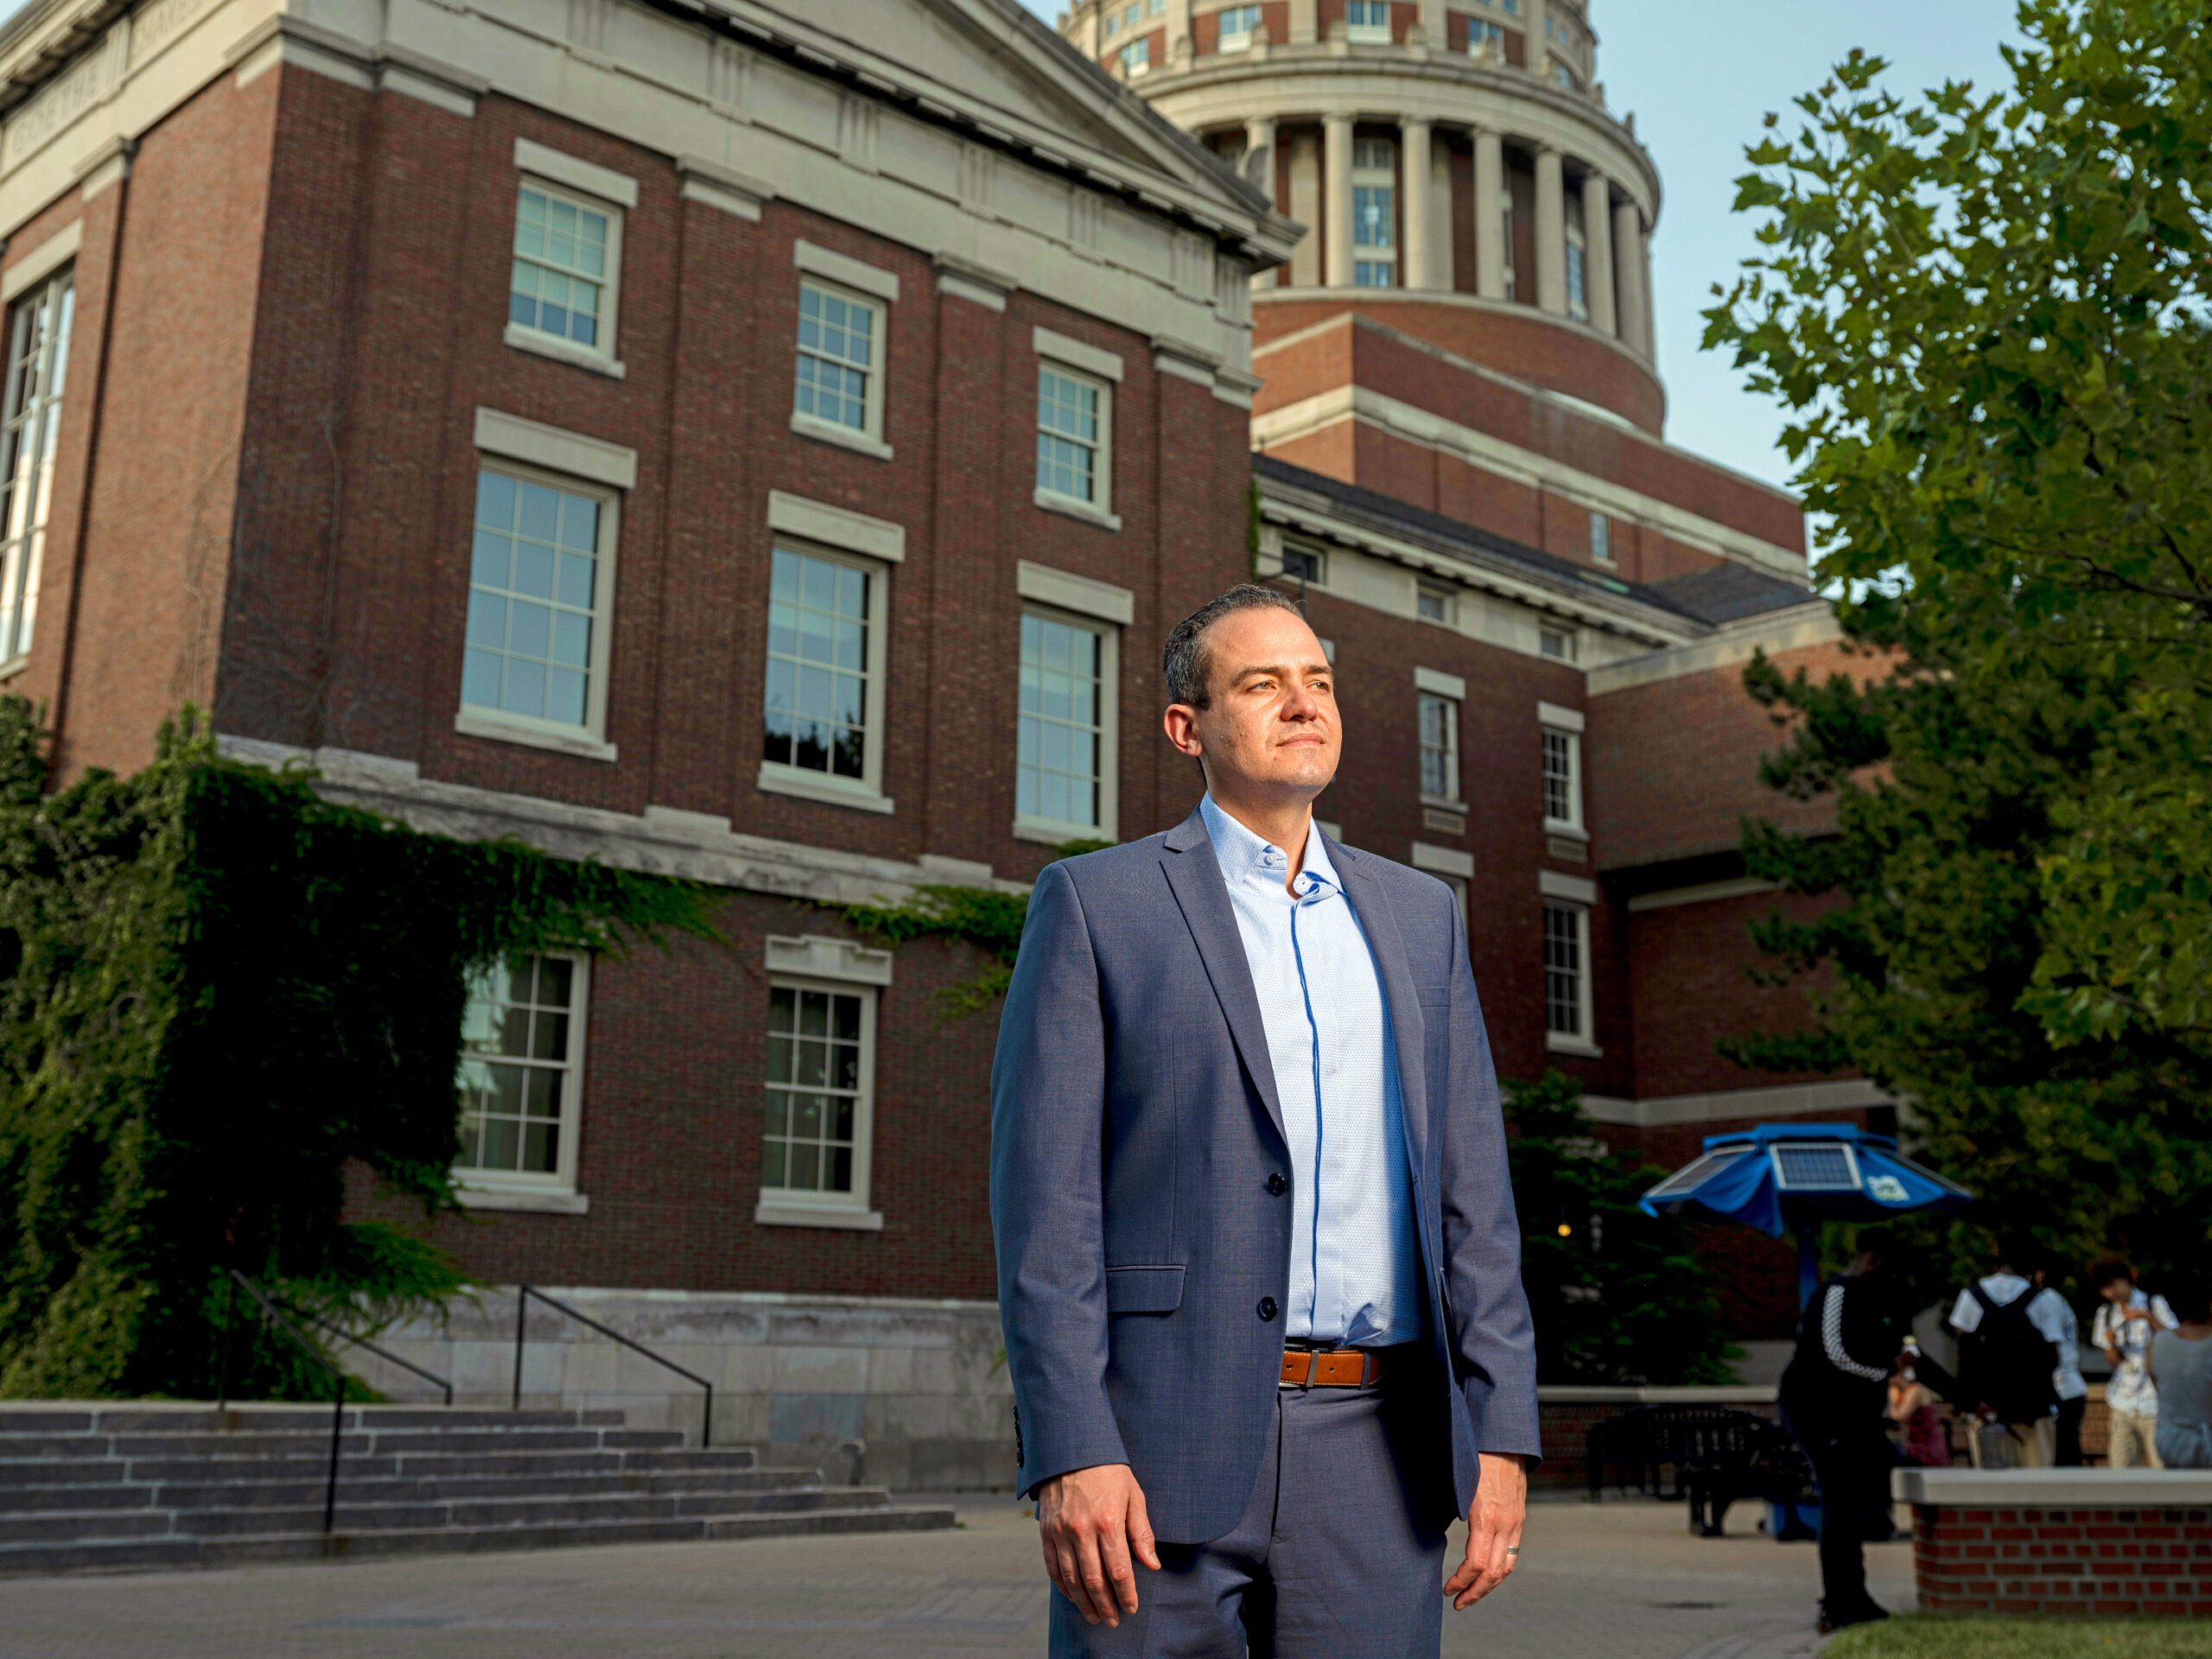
column 2117, row 1291
column 1273, row 726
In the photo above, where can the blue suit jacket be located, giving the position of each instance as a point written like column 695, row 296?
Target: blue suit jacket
column 1134, row 1125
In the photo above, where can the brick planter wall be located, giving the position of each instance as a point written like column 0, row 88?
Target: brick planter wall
column 2119, row 1543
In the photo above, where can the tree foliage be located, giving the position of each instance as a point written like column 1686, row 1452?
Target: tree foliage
column 217, row 989
column 1619, row 1296
column 1987, row 315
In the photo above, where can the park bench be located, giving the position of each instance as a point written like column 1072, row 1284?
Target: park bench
column 1711, row 1456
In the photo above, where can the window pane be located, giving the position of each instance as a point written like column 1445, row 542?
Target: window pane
column 560, row 260
column 38, row 362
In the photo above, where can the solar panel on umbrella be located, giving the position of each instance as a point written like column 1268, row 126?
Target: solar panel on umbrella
column 1815, row 1167
column 1711, row 1164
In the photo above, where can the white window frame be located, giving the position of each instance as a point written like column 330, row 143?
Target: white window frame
column 1447, row 601
column 795, row 1207
column 31, row 431
column 600, row 356
column 1584, row 1042
column 780, row 777
column 497, row 1189
column 1054, row 831
column 1449, row 796
column 1100, row 370
column 1601, row 537
column 1239, row 40
column 1136, row 57
column 1368, row 34
column 1571, row 737
column 868, row 438
column 477, row 720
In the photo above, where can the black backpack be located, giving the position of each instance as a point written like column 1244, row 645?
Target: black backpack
column 2005, row 1363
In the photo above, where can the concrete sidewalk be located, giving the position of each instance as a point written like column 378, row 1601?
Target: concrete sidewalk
column 1620, row 1580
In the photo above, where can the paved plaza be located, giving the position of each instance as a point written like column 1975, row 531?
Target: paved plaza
column 1621, row 1580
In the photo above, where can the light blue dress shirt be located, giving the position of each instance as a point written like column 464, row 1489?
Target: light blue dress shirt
column 1355, row 1268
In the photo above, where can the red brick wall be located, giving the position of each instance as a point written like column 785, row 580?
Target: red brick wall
column 394, row 337
column 2112, row 1562
column 1673, row 764
column 1689, row 964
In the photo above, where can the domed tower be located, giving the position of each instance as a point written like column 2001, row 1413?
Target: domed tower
column 1467, row 324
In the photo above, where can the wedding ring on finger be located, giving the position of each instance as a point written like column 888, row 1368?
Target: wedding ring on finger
column 1513, row 1549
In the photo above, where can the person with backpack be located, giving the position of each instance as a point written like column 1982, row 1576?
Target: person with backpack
column 2011, row 1336
column 1835, row 1395
column 2181, row 1368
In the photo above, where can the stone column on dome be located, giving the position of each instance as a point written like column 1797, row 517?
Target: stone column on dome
column 1417, row 168
column 1538, row 65
column 1628, row 264
column 1491, row 255
column 1551, row 233
column 1443, row 268
column 1260, row 168
column 1336, row 198
column 1649, row 337
column 1597, row 251
column 1303, row 27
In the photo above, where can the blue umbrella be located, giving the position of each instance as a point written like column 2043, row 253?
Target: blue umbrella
column 1785, row 1177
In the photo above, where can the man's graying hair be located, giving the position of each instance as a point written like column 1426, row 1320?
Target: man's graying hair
column 1186, row 664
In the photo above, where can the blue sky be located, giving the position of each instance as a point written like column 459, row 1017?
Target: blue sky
column 1700, row 79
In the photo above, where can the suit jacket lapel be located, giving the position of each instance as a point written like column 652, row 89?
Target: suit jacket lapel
column 1194, row 876
column 1380, row 922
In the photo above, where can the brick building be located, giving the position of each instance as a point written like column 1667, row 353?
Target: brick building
column 766, row 442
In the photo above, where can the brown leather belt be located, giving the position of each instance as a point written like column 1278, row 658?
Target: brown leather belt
column 1331, row 1368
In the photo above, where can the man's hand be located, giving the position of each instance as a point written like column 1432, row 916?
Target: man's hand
column 1493, row 1525
column 1091, row 1522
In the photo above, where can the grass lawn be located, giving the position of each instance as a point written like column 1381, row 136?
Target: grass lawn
column 1931, row 1635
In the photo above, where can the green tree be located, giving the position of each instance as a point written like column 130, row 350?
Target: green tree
column 1619, row 1296
column 217, row 990
column 1985, row 314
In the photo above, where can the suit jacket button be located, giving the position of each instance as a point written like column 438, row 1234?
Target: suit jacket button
column 1268, row 1308
column 1276, row 1184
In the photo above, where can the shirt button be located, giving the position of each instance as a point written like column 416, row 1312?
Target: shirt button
column 1276, row 1184
column 1268, row 1308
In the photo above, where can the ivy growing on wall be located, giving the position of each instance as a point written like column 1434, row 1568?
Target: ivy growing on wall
column 217, row 990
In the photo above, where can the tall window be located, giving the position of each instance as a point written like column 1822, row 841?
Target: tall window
column 1566, row 972
column 536, row 601
column 1236, row 24
column 1374, row 212
column 1505, row 242
column 1601, row 539
column 1368, row 22
column 821, row 1065
column 562, row 276
column 521, row 1058
column 1486, row 41
column 819, row 664
column 1562, row 779
column 1577, row 264
column 838, row 344
column 1439, row 746
column 1136, row 57
column 1071, row 436
column 38, row 363
column 1061, row 771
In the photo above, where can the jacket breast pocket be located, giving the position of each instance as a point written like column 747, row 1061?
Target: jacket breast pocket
column 1144, row 1290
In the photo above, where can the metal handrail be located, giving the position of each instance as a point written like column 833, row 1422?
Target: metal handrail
column 384, row 1354
column 523, row 1292
column 270, row 1311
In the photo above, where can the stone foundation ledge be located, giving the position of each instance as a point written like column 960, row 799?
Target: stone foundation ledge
column 2049, row 1489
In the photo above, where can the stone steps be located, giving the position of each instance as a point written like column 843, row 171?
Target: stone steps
column 125, row 1488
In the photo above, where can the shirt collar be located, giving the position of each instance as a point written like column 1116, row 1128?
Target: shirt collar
column 1241, row 851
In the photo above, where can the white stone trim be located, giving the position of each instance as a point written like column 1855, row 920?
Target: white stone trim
column 1786, row 1100
column 41, row 261
column 562, row 351
column 1107, row 366
column 1053, row 502
column 1442, row 684
column 776, row 779
column 692, row 846
column 574, row 174
column 529, row 1200
column 1311, row 415
column 835, row 526
column 558, row 451
column 1081, row 595
column 830, row 432
column 1702, row 893
column 963, row 279
column 765, row 1214
column 1801, row 627
column 723, row 186
column 814, row 956
column 841, row 268
column 471, row 722
column 1444, row 861
column 2054, row 1488
column 1558, row 719
column 1575, row 889
column 1558, row 1042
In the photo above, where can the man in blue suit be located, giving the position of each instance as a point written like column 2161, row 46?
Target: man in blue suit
column 1258, row 1264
